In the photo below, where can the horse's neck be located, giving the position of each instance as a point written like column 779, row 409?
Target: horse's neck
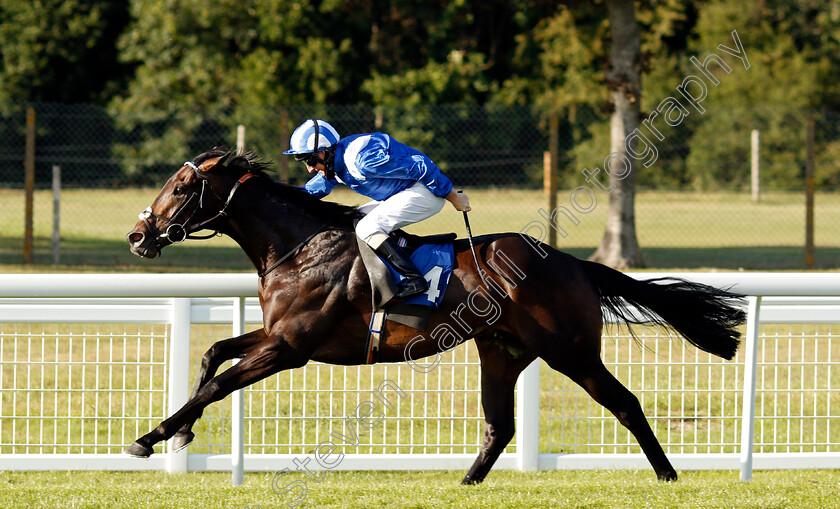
column 268, row 231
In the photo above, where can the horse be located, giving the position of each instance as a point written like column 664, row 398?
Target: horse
column 315, row 296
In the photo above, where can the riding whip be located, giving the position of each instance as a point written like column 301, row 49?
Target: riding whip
column 472, row 248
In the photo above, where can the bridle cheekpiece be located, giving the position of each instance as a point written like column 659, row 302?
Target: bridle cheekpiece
column 179, row 231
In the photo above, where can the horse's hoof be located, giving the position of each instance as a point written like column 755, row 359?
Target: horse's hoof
column 181, row 440
column 667, row 476
column 139, row 451
column 467, row 481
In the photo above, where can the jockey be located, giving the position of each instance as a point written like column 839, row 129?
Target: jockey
column 405, row 185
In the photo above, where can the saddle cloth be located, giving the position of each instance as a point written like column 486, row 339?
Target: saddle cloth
column 434, row 256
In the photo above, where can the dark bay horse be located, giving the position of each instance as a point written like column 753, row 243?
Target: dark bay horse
column 316, row 300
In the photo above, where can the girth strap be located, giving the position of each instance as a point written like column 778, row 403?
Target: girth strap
column 377, row 322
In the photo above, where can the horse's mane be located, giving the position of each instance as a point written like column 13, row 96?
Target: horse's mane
column 333, row 214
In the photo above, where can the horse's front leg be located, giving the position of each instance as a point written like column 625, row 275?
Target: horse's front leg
column 220, row 352
column 261, row 361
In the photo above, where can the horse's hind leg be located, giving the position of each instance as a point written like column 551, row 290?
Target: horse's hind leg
column 569, row 340
column 220, row 352
column 604, row 388
column 503, row 357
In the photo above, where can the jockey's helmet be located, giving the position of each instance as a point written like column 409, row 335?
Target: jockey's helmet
column 311, row 136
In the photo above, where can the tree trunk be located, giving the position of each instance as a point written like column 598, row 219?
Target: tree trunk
column 619, row 248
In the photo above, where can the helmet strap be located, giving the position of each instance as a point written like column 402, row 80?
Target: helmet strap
column 328, row 162
column 315, row 145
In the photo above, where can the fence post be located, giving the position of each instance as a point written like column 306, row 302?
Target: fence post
column 809, row 194
column 748, row 408
column 240, row 139
column 179, row 369
column 56, row 191
column 754, row 166
column 237, row 431
column 550, row 170
column 550, row 189
column 528, row 418
column 29, row 185
column 284, row 135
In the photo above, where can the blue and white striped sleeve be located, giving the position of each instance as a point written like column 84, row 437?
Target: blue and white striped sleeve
column 385, row 157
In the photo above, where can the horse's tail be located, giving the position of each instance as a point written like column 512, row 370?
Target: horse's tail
column 706, row 316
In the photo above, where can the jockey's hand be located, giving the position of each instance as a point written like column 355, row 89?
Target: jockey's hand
column 459, row 200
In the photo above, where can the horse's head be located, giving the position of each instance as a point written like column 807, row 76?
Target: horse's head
column 194, row 198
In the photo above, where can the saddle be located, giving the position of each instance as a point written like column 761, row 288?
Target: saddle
column 383, row 289
column 411, row 242
column 383, row 286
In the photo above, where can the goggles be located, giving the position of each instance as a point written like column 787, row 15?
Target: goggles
column 310, row 159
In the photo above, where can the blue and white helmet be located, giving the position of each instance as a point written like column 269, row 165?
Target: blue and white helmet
column 311, row 136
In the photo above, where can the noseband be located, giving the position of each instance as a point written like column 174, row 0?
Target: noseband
column 178, row 232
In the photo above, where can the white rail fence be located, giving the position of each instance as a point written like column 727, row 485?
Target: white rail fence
column 88, row 363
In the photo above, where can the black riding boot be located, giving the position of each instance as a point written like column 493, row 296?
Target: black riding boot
column 415, row 283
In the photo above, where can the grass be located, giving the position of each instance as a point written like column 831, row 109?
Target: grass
column 677, row 230
column 502, row 489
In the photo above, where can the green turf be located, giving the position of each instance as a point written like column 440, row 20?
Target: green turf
column 677, row 230
column 502, row 489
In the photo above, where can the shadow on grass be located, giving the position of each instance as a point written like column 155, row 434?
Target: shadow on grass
column 196, row 256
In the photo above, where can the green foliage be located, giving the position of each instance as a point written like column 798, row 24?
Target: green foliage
column 474, row 145
column 59, row 50
column 200, row 64
column 175, row 72
column 559, row 61
column 458, row 80
column 791, row 52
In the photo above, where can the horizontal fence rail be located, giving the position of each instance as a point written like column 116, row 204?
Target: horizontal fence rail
column 89, row 362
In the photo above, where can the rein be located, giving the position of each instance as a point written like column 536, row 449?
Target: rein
column 294, row 251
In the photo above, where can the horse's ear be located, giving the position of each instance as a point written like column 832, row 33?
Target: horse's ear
column 226, row 159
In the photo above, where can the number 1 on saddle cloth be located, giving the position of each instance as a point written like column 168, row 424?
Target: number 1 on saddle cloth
column 435, row 262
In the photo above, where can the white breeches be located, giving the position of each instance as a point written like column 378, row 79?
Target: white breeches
column 404, row 208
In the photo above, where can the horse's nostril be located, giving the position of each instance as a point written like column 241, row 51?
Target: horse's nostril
column 135, row 238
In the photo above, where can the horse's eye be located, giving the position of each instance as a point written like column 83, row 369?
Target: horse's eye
column 179, row 190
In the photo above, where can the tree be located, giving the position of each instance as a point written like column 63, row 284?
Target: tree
column 60, row 50
column 619, row 247
column 792, row 51
column 203, row 67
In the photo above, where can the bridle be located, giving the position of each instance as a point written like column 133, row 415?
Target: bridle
column 179, row 231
